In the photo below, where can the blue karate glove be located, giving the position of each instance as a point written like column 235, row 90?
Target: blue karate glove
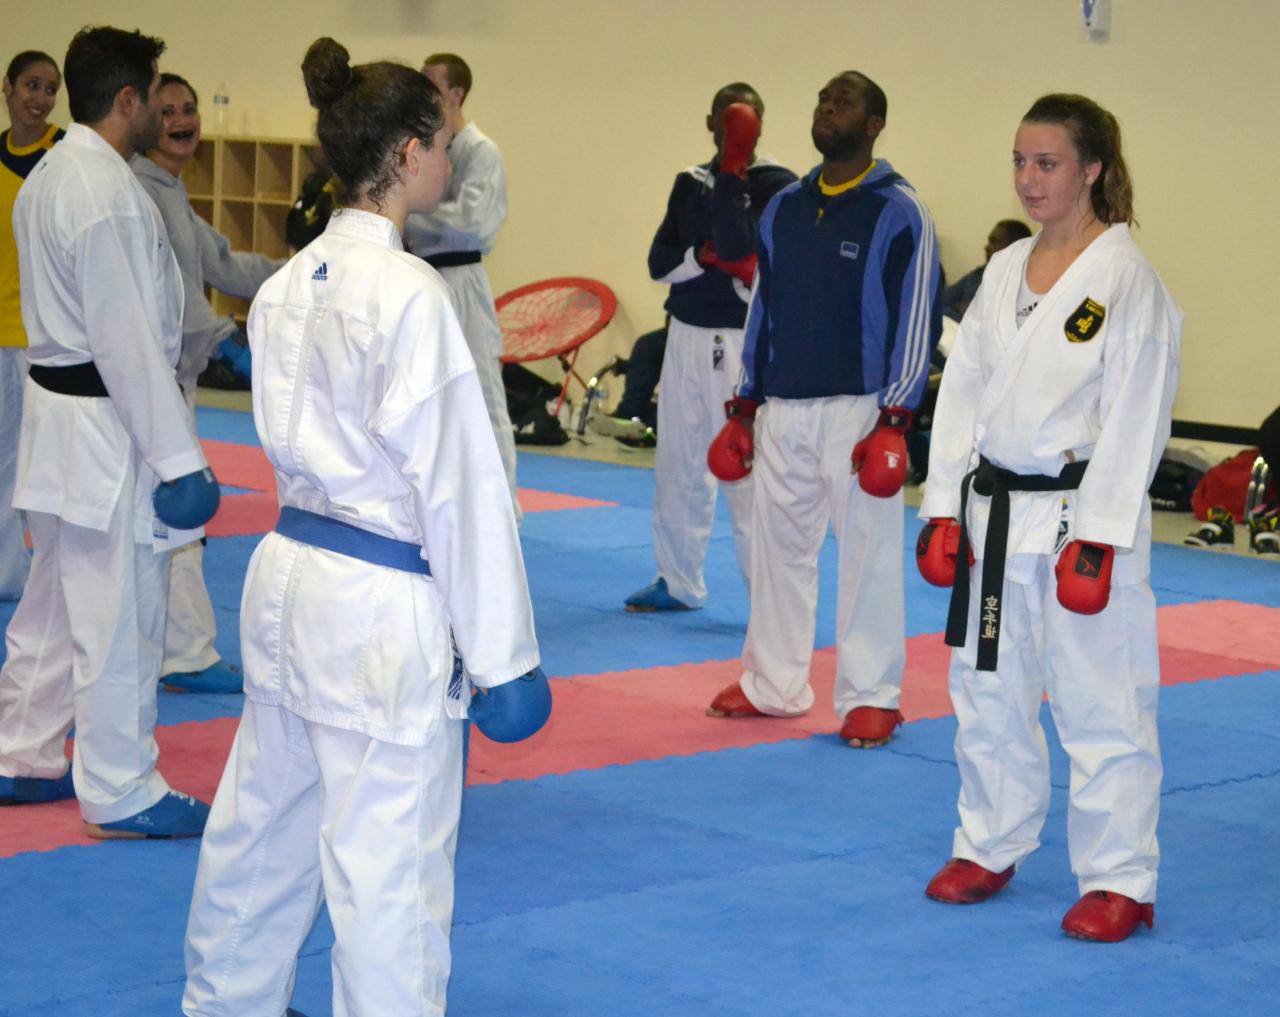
column 234, row 352
column 514, row 711
column 187, row 502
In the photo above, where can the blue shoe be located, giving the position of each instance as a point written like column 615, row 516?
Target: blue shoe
column 34, row 790
column 291, row 1012
column 220, row 679
column 174, row 815
column 655, row 597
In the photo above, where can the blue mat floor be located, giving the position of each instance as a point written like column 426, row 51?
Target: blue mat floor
column 782, row 879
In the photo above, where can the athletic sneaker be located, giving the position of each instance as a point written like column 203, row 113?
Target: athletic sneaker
column 35, row 790
column 646, row 439
column 1264, row 530
column 1217, row 531
column 219, row 678
column 175, row 815
column 618, row 427
column 654, row 597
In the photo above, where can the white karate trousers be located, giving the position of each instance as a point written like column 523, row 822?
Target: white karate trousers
column 304, row 813
column 84, row 645
column 190, row 627
column 14, row 561
column 700, row 370
column 802, row 478
column 1102, row 675
column 479, row 320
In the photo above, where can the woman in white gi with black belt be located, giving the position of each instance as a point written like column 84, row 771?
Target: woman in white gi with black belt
column 1054, row 410
column 396, row 543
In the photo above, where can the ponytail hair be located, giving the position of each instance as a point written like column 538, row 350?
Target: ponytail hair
column 366, row 115
column 1096, row 136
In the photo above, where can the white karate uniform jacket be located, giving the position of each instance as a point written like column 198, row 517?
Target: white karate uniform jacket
column 99, row 284
column 367, row 404
column 468, row 219
column 346, row 776
column 1031, row 400
column 1090, row 375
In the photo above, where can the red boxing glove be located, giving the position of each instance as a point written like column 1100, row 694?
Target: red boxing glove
column 743, row 268
column 880, row 459
column 937, row 548
column 739, row 131
column 1084, row 576
column 729, row 457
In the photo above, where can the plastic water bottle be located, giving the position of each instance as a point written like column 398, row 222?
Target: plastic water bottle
column 221, row 104
column 594, row 394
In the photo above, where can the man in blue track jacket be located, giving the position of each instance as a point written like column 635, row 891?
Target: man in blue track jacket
column 845, row 312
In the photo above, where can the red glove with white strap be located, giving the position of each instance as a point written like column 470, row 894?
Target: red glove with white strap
column 743, row 268
column 937, row 548
column 1084, row 576
column 739, row 132
column 880, row 459
column 729, row 457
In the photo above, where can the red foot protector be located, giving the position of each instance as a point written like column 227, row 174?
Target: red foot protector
column 961, row 881
column 731, row 701
column 1106, row 917
column 869, row 725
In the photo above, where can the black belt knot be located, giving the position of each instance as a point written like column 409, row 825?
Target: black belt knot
column 993, row 482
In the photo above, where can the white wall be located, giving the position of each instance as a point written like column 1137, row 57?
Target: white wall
column 596, row 104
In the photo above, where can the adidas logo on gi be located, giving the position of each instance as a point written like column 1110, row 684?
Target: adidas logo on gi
column 321, row 274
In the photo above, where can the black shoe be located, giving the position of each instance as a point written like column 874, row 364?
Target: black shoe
column 1217, row 531
column 647, row 439
column 1264, row 530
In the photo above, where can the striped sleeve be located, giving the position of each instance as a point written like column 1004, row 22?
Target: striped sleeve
column 912, row 280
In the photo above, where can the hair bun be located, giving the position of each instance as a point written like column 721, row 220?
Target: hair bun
column 326, row 70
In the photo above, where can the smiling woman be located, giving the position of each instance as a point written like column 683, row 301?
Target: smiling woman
column 205, row 258
column 31, row 85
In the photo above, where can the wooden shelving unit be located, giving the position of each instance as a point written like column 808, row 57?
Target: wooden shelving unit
column 244, row 188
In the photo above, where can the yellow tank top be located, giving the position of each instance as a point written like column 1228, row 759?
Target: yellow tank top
column 15, row 164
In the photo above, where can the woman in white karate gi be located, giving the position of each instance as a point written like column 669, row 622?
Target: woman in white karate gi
column 397, row 542
column 1054, row 410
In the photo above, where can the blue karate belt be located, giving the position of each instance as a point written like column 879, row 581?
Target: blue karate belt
column 995, row 483
column 343, row 538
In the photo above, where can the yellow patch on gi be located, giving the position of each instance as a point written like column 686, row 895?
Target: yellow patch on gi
column 1085, row 321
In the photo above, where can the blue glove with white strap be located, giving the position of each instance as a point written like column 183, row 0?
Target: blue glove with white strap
column 187, row 502
column 514, row 711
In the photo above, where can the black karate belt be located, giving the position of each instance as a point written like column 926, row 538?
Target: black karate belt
column 75, row 380
column 995, row 483
column 450, row 259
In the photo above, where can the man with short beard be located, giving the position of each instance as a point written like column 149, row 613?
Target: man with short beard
column 845, row 313
column 103, row 421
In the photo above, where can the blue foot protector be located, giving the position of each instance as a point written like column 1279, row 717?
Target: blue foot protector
column 291, row 1012
column 174, row 815
column 34, row 790
column 655, row 597
column 220, row 678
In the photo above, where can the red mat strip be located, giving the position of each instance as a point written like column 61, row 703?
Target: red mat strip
column 621, row 717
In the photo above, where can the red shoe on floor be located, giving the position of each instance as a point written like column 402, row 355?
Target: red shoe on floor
column 868, row 727
column 731, row 701
column 961, row 881
column 1103, row 916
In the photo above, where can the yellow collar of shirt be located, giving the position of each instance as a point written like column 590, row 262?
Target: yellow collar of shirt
column 831, row 192
column 44, row 141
